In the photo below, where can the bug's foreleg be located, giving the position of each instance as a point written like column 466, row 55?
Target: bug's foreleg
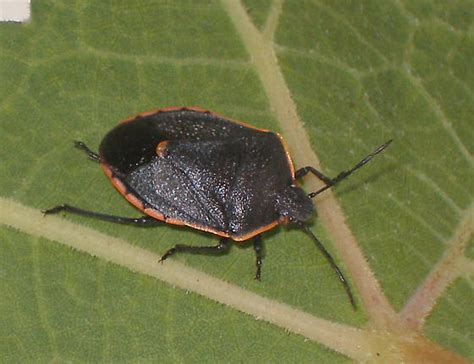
column 258, row 248
column 144, row 221
column 305, row 170
column 220, row 248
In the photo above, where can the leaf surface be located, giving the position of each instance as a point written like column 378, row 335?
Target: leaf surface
column 337, row 79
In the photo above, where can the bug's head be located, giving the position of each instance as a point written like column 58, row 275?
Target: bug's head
column 294, row 204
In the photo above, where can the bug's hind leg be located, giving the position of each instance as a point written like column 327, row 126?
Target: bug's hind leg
column 258, row 248
column 92, row 155
column 144, row 221
column 220, row 248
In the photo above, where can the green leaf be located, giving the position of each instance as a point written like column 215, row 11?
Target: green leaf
column 337, row 79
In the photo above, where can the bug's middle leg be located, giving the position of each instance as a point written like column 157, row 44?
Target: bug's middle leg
column 258, row 248
column 220, row 248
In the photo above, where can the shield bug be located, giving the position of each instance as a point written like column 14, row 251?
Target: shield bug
column 188, row 166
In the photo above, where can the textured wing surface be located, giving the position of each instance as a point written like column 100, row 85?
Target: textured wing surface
column 167, row 189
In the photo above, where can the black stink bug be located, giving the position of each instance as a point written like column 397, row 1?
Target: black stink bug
column 188, row 166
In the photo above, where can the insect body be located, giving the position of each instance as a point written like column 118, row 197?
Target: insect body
column 188, row 166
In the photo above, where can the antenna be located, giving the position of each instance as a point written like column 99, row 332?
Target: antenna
column 331, row 261
column 344, row 174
